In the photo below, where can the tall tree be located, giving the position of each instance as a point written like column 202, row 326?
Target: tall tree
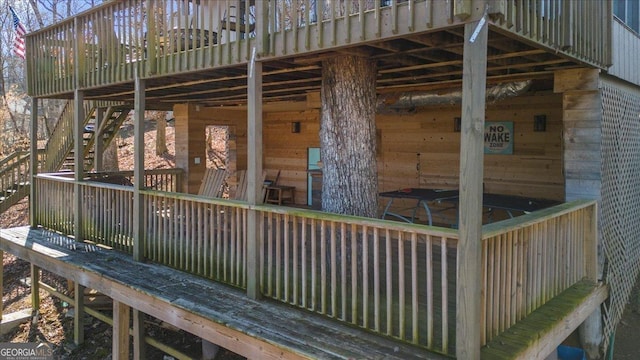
column 348, row 136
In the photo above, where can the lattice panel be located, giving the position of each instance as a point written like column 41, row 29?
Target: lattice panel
column 620, row 197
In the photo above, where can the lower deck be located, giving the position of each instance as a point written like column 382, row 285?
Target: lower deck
column 215, row 312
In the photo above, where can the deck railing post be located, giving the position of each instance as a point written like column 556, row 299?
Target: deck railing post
column 469, row 277
column 138, row 169
column 254, row 167
column 591, row 243
column 150, row 38
column 78, row 161
column 33, row 162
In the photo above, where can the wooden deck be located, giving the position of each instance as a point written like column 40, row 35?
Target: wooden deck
column 212, row 311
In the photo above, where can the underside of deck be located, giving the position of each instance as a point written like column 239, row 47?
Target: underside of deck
column 215, row 312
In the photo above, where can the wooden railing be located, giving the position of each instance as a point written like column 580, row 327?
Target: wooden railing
column 14, row 178
column 530, row 259
column 109, row 43
column 581, row 29
column 392, row 278
column 203, row 236
column 61, row 141
column 395, row 279
column 54, row 194
column 166, row 180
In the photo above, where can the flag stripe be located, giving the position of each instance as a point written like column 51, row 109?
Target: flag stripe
column 21, row 31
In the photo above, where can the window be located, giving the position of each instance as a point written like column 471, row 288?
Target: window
column 629, row 12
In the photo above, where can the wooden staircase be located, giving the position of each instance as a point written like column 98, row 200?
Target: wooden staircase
column 14, row 179
column 60, row 148
column 58, row 153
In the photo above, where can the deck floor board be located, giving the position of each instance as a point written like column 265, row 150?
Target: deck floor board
column 211, row 310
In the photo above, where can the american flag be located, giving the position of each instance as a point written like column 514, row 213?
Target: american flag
column 18, row 41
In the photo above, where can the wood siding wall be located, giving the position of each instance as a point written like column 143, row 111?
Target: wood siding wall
column 626, row 43
column 422, row 149
column 191, row 123
column 582, row 133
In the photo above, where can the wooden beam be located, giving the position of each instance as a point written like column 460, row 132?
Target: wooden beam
column 469, row 283
column 120, row 345
column 35, row 288
column 99, row 145
column 78, row 160
column 548, row 342
column 33, row 168
column 1, row 285
column 138, row 335
column 254, row 169
column 138, row 169
column 78, row 317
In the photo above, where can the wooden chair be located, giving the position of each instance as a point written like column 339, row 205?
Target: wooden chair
column 241, row 189
column 212, row 183
column 275, row 193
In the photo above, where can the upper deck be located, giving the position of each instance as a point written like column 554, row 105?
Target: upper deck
column 201, row 50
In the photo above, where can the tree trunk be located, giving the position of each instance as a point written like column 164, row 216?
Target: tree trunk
column 110, row 157
column 161, row 133
column 348, row 136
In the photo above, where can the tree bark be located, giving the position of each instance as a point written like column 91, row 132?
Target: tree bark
column 348, row 136
column 161, row 133
column 110, row 157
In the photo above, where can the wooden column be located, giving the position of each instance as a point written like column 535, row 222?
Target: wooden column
column 469, row 284
column 78, row 322
column 254, row 168
column 33, row 161
column 78, row 160
column 138, row 335
column 99, row 143
column 582, row 166
column 35, row 288
column 138, row 169
column 120, row 345
column 1, row 285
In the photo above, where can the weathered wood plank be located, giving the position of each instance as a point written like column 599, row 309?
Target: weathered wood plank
column 469, row 286
column 215, row 312
column 540, row 333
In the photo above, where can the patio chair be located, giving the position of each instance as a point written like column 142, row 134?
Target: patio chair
column 212, row 183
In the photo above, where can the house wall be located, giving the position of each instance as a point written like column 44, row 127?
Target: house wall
column 625, row 47
column 191, row 122
column 422, row 149
column 415, row 150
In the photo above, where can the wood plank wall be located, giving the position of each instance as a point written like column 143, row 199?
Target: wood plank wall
column 191, row 123
column 422, row 150
column 415, row 150
column 582, row 113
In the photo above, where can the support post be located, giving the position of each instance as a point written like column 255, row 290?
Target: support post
column 78, row 161
column 254, row 169
column 99, row 143
column 78, row 322
column 33, row 162
column 138, row 169
column 120, row 345
column 469, row 283
column 35, row 288
column 1, row 285
column 138, row 335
